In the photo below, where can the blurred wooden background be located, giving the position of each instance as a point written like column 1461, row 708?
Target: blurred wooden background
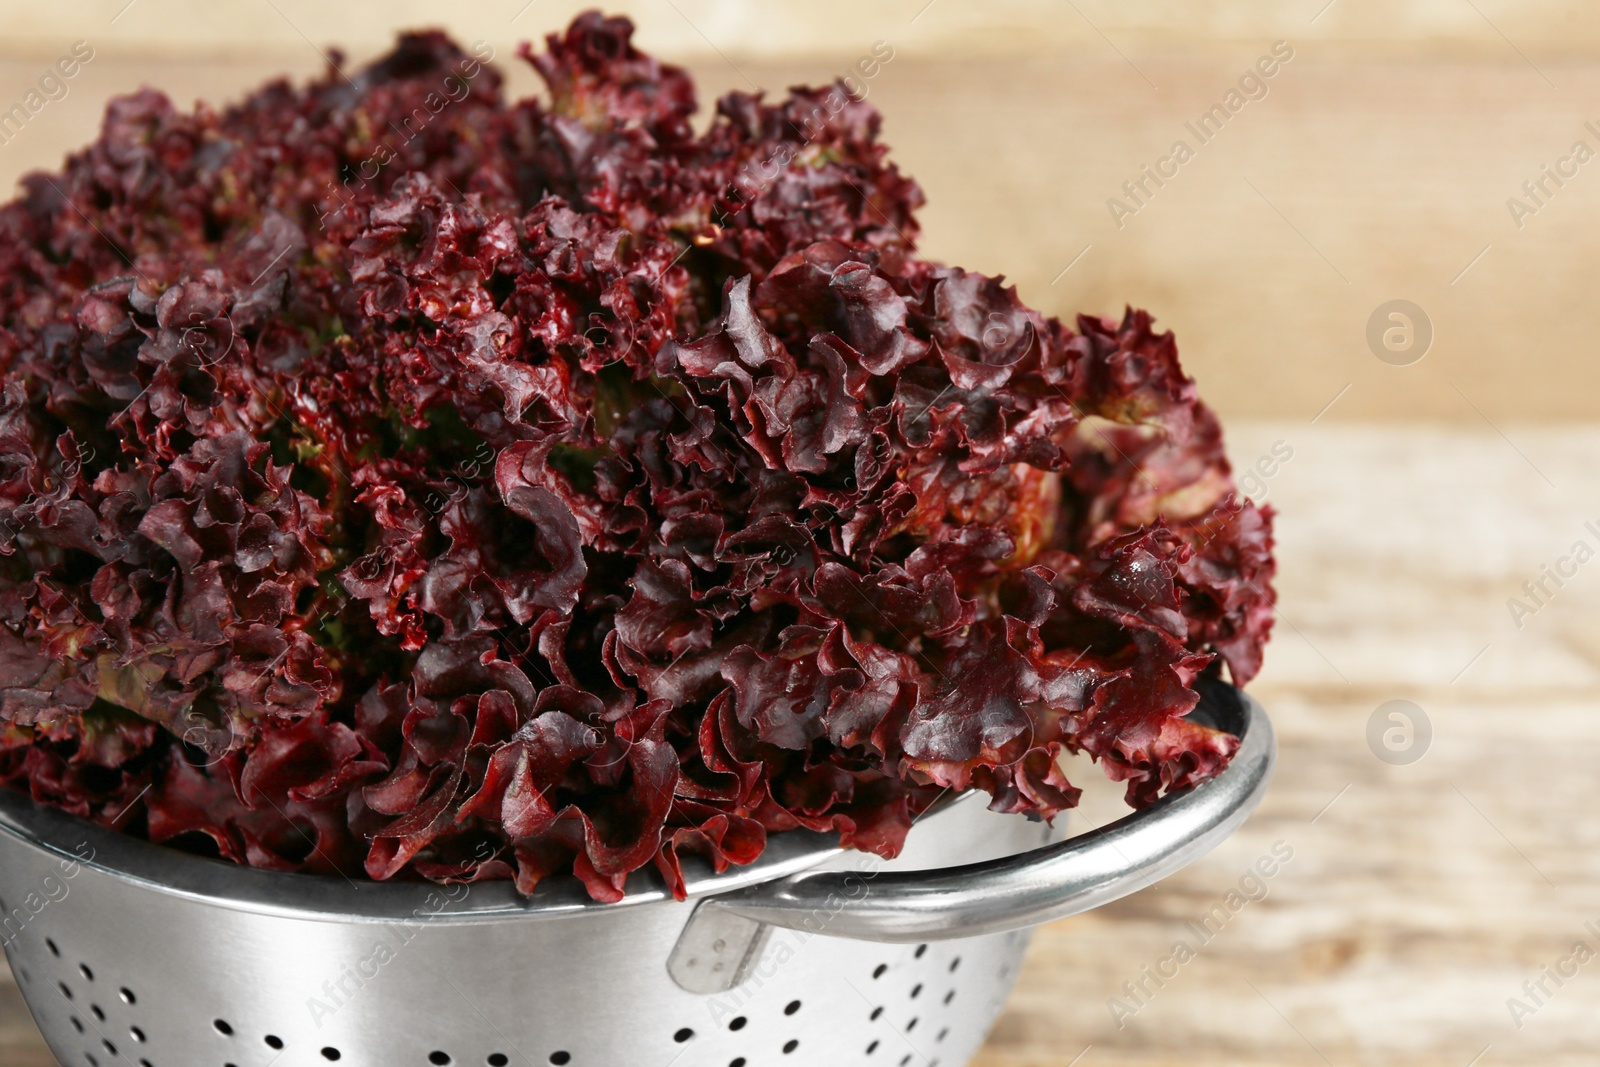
column 1377, row 167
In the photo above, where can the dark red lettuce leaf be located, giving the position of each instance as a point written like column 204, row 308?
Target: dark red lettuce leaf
column 398, row 480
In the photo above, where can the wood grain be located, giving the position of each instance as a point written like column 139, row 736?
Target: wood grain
column 1418, row 898
column 1425, row 895
column 764, row 29
column 20, row 1045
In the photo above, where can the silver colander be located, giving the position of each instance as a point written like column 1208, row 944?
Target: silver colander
column 129, row 953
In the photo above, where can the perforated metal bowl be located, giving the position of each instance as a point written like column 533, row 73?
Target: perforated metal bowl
column 128, row 953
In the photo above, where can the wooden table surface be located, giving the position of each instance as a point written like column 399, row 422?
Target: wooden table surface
column 1421, row 897
column 1418, row 898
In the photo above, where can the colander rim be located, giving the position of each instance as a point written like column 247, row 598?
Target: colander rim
column 69, row 839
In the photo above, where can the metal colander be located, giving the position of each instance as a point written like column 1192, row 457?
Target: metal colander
column 129, row 953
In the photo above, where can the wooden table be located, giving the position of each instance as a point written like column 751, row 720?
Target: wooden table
column 1418, row 898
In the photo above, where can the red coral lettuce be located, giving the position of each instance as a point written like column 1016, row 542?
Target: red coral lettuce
column 394, row 478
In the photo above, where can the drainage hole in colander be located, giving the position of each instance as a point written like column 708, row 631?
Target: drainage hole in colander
column 136, row 1033
column 737, row 1062
column 790, row 1045
column 878, row 971
column 221, row 1026
column 916, row 991
column 922, row 950
column 905, row 1059
column 330, row 1053
column 77, row 1024
column 439, row 1059
column 943, row 1034
column 146, row 1063
column 54, row 950
column 872, row 1048
column 274, row 1042
column 99, row 1016
column 498, row 1059
column 66, row 990
column 876, row 1012
column 954, row 964
column 127, row 996
column 948, row 997
column 109, row 1047
column 92, row 1061
column 912, row 1025
column 83, row 969
column 559, row 1058
column 738, row 1024
column 792, row 1007
column 683, row 1035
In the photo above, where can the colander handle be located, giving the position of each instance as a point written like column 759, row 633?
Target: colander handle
column 1058, row 880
